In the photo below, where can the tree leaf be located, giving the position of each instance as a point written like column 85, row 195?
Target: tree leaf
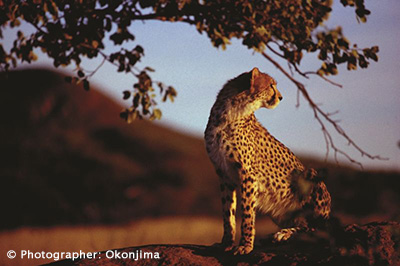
column 86, row 85
column 127, row 95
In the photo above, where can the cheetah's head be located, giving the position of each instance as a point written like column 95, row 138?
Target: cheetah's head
column 263, row 88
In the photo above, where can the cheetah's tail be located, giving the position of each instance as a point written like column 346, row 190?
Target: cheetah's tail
column 302, row 182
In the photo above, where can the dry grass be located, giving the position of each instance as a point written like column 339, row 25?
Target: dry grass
column 170, row 230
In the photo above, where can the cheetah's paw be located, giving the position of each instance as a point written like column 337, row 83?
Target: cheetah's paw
column 243, row 249
column 283, row 235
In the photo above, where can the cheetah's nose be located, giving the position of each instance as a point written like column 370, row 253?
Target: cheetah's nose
column 280, row 98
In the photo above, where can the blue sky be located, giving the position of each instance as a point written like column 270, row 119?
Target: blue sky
column 368, row 103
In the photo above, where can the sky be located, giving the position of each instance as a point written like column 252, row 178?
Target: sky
column 368, row 103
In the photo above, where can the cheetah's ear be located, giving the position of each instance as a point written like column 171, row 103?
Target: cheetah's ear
column 255, row 73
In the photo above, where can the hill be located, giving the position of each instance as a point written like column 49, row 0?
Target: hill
column 67, row 158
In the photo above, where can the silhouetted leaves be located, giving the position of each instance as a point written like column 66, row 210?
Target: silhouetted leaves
column 361, row 11
column 120, row 36
column 86, row 84
column 68, row 31
column 156, row 114
column 127, row 95
column 170, row 94
column 80, row 74
column 371, row 53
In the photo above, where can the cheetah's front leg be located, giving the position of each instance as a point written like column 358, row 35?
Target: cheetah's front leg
column 228, row 198
column 248, row 199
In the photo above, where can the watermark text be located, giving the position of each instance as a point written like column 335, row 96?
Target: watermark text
column 137, row 254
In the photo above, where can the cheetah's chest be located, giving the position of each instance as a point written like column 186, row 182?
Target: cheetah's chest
column 248, row 143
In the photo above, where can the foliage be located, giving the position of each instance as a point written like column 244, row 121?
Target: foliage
column 69, row 30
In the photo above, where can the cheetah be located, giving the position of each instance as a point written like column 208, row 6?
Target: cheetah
column 257, row 170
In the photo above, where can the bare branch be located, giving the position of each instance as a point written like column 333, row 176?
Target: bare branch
column 304, row 74
column 162, row 17
column 273, row 50
column 324, row 78
column 98, row 67
column 322, row 117
column 298, row 99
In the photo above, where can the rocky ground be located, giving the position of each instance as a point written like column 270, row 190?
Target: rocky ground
column 370, row 244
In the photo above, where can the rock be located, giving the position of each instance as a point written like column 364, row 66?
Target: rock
column 370, row 244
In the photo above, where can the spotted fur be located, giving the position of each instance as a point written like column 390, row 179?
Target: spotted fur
column 256, row 169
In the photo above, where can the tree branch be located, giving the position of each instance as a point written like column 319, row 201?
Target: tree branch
column 322, row 116
column 162, row 17
column 304, row 74
column 324, row 78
